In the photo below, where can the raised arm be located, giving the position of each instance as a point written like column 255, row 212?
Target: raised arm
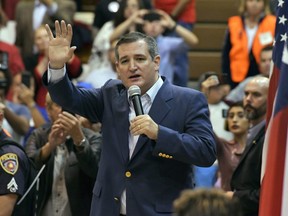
column 60, row 51
column 189, row 37
column 136, row 18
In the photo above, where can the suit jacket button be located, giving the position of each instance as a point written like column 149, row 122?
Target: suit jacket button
column 167, row 156
column 164, row 155
column 160, row 154
column 116, row 199
column 128, row 174
column 170, row 157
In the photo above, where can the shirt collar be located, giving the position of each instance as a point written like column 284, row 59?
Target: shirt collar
column 152, row 92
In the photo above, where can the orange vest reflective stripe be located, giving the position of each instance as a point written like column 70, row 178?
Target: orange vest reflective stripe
column 239, row 53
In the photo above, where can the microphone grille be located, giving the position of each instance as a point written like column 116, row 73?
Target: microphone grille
column 134, row 90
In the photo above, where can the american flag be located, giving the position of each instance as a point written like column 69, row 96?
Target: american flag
column 274, row 189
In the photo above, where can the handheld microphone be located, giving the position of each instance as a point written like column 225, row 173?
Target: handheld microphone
column 135, row 93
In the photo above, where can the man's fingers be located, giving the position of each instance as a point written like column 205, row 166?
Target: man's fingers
column 49, row 32
column 57, row 28
column 63, row 28
column 69, row 33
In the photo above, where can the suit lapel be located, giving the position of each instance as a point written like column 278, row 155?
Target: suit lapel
column 159, row 110
column 121, row 115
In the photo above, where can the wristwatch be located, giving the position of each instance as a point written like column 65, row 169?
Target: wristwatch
column 81, row 144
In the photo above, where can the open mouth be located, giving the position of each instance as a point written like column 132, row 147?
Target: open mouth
column 134, row 76
column 235, row 127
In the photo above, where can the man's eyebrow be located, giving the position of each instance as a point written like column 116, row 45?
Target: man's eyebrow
column 140, row 55
column 136, row 55
column 123, row 57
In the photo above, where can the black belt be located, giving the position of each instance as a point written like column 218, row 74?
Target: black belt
column 122, row 215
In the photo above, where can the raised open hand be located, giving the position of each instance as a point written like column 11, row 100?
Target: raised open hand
column 60, row 51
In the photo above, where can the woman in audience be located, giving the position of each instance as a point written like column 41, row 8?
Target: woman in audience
column 101, row 44
column 10, row 58
column 229, row 152
column 246, row 36
column 16, row 116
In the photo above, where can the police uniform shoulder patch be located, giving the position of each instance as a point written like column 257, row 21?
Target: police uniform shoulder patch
column 9, row 163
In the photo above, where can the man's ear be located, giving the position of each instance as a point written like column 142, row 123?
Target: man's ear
column 157, row 62
column 117, row 69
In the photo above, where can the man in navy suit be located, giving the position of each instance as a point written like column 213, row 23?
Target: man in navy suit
column 145, row 160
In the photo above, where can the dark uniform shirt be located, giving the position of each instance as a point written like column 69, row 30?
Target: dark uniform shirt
column 14, row 171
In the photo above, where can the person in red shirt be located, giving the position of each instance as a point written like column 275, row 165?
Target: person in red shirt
column 15, row 62
column 37, row 64
column 184, row 12
column 9, row 6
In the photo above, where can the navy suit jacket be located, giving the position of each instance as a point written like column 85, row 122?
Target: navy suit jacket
column 158, row 170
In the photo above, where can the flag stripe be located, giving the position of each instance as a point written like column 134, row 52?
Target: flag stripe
column 274, row 188
column 285, row 186
column 271, row 193
column 273, row 84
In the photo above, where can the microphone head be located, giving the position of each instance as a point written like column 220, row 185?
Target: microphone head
column 134, row 90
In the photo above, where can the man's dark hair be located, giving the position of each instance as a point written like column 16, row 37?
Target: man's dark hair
column 152, row 16
column 267, row 48
column 137, row 36
column 206, row 202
